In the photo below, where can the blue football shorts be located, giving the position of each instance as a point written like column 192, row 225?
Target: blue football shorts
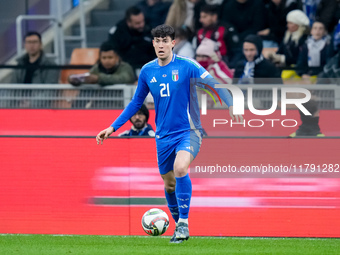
column 168, row 147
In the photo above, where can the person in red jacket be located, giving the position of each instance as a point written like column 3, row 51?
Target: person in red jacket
column 223, row 34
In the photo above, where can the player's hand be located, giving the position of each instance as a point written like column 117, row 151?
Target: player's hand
column 104, row 134
column 238, row 118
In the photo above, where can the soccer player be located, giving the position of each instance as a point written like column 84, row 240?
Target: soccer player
column 178, row 127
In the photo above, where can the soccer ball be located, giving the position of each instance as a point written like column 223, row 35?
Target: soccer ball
column 155, row 222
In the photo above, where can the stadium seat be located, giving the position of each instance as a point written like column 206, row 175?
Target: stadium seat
column 80, row 56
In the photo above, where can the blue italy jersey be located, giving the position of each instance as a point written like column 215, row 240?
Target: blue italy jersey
column 174, row 93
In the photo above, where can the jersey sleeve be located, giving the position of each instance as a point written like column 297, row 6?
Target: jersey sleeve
column 135, row 104
column 202, row 77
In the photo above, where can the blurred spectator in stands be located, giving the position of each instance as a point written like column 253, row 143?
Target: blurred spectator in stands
column 224, row 34
column 140, row 126
column 335, row 29
column 247, row 17
column 295, row 36
column 256, row 69
column 155, row 11
column 33, row 61
column 177, row 15
column 183, row 47
column 310, row 123
column 185, row 13
column 208, row 55
column 275, row 21
column 132, row 39
column 321, row 10
column 331, row 71
column 315, row 52
column 109, row 70
column 336, row 37
column 198, row 4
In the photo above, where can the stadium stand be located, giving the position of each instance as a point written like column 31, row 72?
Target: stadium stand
column 100, row 23
column 80, row 56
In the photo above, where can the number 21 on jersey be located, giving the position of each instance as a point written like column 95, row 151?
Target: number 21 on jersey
column 165, row 92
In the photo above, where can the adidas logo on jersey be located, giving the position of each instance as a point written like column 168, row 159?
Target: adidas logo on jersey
column 153, row 80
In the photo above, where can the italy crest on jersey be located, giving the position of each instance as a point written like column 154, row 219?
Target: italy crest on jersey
column 175, row 75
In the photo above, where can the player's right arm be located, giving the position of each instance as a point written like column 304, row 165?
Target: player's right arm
column 206, row 78
column 135, row 104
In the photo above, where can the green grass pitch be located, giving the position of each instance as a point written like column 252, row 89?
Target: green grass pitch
column 77, row 244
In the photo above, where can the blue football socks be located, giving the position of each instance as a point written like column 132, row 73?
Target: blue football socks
column 172, row 204
column 183, row 193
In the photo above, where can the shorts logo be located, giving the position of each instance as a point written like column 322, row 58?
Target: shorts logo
column 190, row 148
column 175, row 75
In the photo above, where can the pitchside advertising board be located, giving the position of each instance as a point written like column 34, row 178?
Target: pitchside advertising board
column 73, row 186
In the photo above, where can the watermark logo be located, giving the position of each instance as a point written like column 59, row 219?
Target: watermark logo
column 238, row 99
column 204, row 97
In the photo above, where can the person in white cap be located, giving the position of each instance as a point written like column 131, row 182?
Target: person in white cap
column 208, row 56
column 295, row 36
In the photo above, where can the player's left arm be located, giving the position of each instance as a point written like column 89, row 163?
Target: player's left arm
column 205, row 79
column 135, row 104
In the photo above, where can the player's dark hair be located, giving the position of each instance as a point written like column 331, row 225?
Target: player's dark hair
column 134, row 10
column 30, row 33
column 163, row 31
column 210, row 9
